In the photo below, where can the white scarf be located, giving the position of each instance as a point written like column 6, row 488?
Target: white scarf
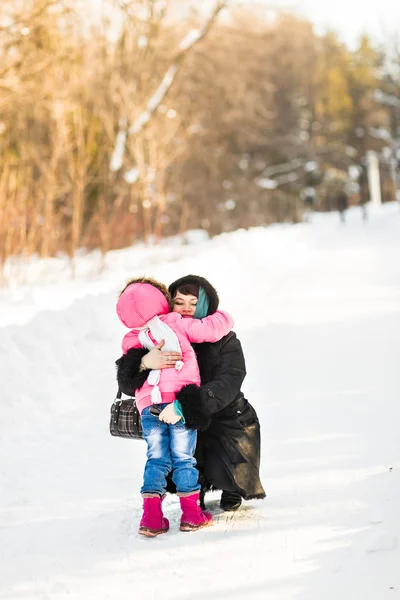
column 159, row 331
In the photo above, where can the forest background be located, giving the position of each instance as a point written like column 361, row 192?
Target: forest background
column 161, row 117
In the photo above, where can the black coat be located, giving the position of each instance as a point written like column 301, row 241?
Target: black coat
column 228, row 443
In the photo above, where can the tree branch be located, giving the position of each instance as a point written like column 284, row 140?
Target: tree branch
column 192, row 38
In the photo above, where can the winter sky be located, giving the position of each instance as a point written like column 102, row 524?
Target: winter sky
column 350, row 18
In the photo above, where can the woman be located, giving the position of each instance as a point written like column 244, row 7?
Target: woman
column 228, row 443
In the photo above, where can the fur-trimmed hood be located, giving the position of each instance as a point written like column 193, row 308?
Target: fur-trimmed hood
column 206, row 285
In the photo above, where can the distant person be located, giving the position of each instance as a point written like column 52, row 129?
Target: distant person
column 342, row 202
column 363, row 207
column 309, row 196
column 144, row 306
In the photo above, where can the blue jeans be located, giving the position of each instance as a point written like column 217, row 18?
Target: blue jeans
column 169, row 447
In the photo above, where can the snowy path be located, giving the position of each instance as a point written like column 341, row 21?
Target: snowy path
column 317, row 308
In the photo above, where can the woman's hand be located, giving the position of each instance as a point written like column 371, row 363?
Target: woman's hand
column 156, row 359
column 168, row 415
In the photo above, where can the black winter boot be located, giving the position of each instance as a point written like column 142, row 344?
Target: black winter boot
column 230, row 501
column 202, row 495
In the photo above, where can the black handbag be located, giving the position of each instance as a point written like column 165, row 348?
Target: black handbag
column 125, row 419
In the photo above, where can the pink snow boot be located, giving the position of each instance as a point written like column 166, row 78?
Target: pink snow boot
column 193, row 518
column 153, row 522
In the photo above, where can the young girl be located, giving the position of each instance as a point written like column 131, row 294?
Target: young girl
column 144, row 307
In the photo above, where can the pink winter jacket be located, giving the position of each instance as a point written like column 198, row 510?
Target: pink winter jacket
column 136, row 306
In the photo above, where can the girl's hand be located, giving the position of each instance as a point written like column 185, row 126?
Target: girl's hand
column 168, row 415
column 156, row 359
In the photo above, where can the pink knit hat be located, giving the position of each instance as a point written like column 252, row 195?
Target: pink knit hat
column 139, row 303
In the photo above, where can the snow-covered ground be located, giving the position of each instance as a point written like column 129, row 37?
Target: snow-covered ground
column 317, row 308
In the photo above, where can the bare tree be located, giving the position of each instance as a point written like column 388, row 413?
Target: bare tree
column 140, row 121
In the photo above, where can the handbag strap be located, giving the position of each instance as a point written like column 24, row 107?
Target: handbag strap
column 119, row 394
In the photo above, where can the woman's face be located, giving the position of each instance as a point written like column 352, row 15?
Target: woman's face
column 185, row 305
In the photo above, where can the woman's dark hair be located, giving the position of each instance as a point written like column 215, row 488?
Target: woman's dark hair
column 188, row 288
column 195, row 280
